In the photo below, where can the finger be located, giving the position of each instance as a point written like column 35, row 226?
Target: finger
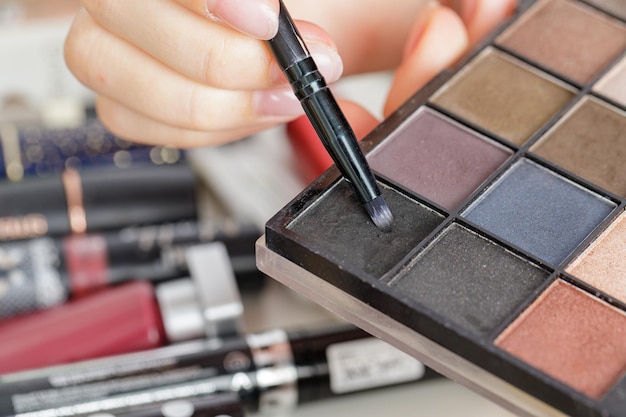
column 438, row 40
column 117, row 70
column 128, row 124
column 201, row 50
column 482, row 16
column 257, row 18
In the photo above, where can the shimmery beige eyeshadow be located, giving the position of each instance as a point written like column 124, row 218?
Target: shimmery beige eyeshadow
column 613, row 84
column 573, row 337
column 504, row 96
column 567, row 37
column 603, row 264
column 590, row 141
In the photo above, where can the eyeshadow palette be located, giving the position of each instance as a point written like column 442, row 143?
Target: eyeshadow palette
column 506, row 265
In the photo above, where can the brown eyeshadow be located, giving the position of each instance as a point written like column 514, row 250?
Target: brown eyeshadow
column 613, row 84
column 590, row 141
column 567, row 37
column 504, row 96
column 603, row 264
column 573, row 337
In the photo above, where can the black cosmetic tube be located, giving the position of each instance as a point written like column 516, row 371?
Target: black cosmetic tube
column 95, row 200
column 274, row 370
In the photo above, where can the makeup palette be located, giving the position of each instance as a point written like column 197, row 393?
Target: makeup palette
column 506, row 265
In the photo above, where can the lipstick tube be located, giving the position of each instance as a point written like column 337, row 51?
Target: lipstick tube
column 130, row 317
column 96, row 199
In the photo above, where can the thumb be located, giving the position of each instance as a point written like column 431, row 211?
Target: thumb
column 438, row 39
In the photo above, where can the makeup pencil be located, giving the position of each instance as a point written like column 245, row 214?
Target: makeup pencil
column 327, row 118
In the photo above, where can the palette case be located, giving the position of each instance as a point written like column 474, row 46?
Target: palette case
column 505, row 269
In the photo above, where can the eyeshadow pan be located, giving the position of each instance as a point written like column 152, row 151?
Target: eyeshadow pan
column 613, row 84
column 504, row 96
column 572, row 336
column 590, row 141
column 437, row 158
column 567, row 37
column 539, row 211
column 470, row 280
column 617, row 7
column 338, row 225
column 603, row 263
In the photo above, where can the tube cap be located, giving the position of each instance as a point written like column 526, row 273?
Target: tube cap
column 206, row 305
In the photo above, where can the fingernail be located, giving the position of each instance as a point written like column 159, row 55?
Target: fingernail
column 277, row 102
column 257, row 18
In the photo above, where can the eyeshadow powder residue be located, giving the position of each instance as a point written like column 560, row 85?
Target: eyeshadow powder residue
column 590, row 142
column 504, row 96
column 567, row 37
column 571, row 336
column 603, row 264
column 337, row 226
column 539, row 211
column 434, row 157
column 470, row 280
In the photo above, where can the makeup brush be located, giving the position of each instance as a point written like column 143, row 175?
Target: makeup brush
column 327, row 118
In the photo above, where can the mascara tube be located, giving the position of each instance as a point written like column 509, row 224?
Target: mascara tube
column 95, row 200
column 271, row 372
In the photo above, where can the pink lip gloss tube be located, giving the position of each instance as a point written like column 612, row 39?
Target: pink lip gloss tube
column 130, row 317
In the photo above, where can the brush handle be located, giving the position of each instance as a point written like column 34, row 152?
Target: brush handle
column 321, row 107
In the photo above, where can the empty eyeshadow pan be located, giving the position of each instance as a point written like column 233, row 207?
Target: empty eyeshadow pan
column 572, row 336
column 567, row 37
column 470, row 280
column 613, row 84
column 504, row 96
column 539, row 211
column 617, row 7
column 590, row 141
column 338, row 225
column 603, row 264
column 437, row 158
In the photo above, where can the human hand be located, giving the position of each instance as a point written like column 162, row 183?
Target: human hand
column 167, row 72
column 171, row 74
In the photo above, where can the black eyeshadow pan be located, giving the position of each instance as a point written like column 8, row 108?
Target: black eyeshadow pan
column 351, row 236
column 470, row 280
